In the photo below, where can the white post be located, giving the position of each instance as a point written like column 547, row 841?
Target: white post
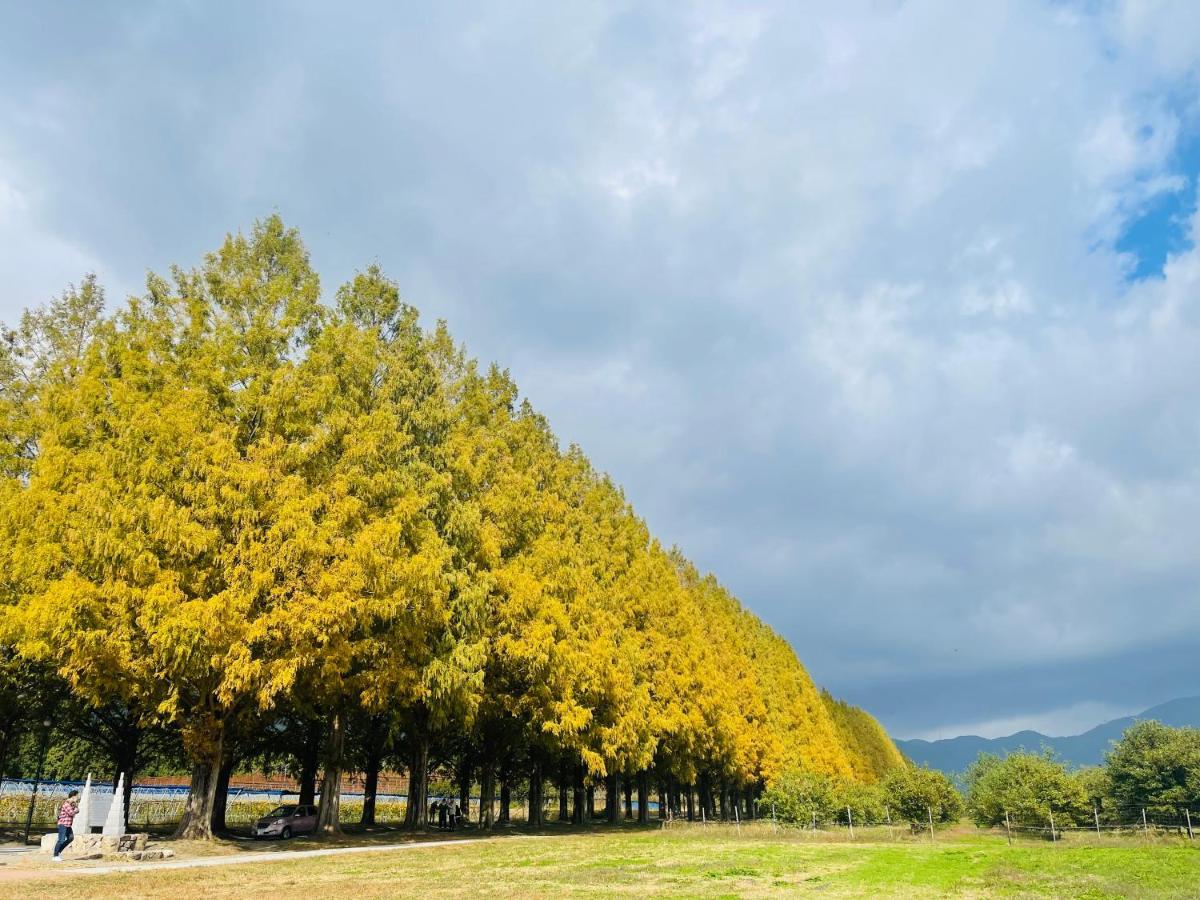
column 1188, row 815
column 1096, row 813
column 1053, row 837
column 774, row 821
column 930, row 811
column 84, row 816
column 1145, row 827
column 814, row 820
column 887, row 811
column 1008, row 827
column 114, row 824
column 850, row 822
column 737, row 818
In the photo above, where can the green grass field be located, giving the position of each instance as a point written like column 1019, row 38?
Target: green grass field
column 715, row 861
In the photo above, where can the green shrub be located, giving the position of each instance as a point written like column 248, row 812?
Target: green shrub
column 914, row 794
column 865, row 802
column 801, row 798
column 1029, row 787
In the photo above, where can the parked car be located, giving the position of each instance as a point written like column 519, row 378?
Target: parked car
column 285, row 821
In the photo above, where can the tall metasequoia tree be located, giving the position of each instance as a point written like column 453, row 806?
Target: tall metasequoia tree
column 163, row 470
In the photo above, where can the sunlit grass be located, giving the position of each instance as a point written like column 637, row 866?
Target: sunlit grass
column 691, row 861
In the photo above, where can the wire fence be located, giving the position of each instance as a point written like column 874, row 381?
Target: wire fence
column 159, row 804
column 1127, row 820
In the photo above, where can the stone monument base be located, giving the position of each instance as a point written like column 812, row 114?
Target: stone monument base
column 86, row 846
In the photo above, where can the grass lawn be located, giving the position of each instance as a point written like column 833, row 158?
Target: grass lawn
column 711, row 861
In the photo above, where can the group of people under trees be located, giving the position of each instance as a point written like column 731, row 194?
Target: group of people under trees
column 254, row 528
column 449, row 815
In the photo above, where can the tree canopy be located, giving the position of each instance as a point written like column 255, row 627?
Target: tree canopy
column 227, row 501
column 1155, row 767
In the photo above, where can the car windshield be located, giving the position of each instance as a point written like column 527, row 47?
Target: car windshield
column 281, row 811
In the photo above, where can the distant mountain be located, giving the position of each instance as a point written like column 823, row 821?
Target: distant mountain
column 953, row 755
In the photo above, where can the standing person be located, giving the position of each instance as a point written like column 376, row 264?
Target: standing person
column 441, row 815
column 66, row 818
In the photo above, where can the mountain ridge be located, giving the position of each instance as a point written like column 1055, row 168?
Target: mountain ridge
column 953, row 755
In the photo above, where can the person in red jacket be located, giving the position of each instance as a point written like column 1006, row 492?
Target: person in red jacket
column 66, row 818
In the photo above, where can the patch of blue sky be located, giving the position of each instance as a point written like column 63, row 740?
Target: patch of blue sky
column 1162, row 230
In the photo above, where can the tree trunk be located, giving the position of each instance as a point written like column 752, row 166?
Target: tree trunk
column 627, row 783
column 662, row 798
column 691, row 807
column 416, row 815
column 196, row 822
column 123, row 748
column 537, row 789
column 724, row 810
column 371, row 783
column 580, row 796
column 5, row 742
column 564, row 813
column 329, row 811
column 590, row 802
column 310, row 756
column 464, row 787
column 643, row 789
column 487, row 795
column 612, row 802
column 220, row 796
column 505, row 801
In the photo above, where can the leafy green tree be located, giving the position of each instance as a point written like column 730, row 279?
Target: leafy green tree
column 802, row 798
column 915, row 793
column 1097, row 788
column 1155, row 767
column 866, row 802
column 1030, row 787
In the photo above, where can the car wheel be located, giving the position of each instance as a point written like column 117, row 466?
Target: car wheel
column 286, row 833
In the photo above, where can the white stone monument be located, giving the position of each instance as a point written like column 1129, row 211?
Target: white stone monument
column 114, row 824
column 83, row 819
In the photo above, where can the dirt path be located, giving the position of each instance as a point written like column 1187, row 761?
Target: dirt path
column 8, row 876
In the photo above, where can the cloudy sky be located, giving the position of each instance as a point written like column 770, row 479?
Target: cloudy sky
column 886, row 312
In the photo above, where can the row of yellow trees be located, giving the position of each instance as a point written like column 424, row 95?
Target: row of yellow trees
column 228, row 500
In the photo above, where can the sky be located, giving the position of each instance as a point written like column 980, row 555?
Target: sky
column 888, row 313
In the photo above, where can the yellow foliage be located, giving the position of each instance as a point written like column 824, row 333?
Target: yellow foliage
column 228, row 494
